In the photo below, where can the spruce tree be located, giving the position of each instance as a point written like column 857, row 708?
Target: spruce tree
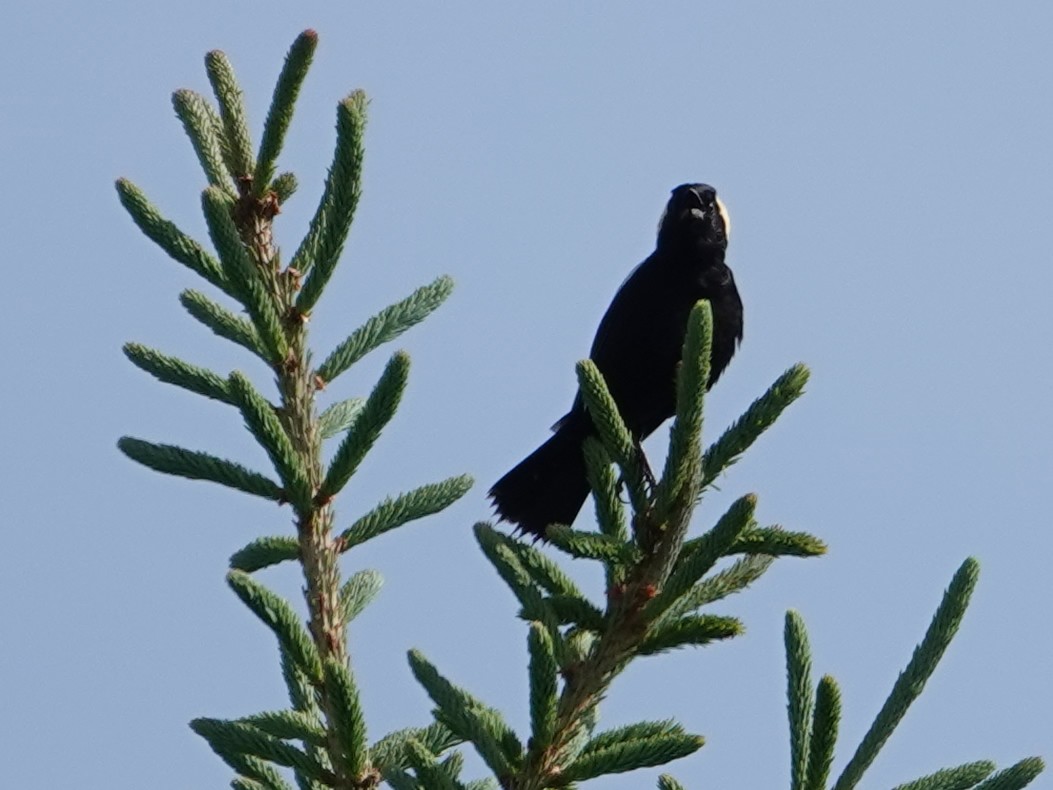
column 659, row 580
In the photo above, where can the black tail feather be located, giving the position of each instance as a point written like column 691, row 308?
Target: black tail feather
column 548, row 487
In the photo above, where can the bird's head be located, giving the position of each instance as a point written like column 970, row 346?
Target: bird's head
column 695, row 217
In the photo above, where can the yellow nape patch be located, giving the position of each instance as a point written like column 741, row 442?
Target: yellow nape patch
column 724, row 216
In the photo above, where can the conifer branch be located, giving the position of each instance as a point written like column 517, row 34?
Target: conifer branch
column 912, row 679
column 320, row 250
column 801, row 703
column 193, row 465
column 236, row 146
column 358, row 592
column 240, row 204
column 394, row 512
column 825, row 723
column 297, row 62
column 178, row 246
column 264, row 552
column 339, row 417
column 223, row 322
column 960, row 778
column 172, row 370
column 284, row 187
column 385, row 326
column 203, row 127
column 1015, row 776
column 760, row 416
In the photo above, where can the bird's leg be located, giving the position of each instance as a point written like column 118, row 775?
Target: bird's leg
column 645, row 467
column 645, row 470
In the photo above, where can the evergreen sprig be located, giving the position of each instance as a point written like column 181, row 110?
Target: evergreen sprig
column 339, row 417
column 385, row 326
column 236, row 146
column 172, row 370
column 223, row 322
column 415, row 504
column 760, row 416
column 322, row 737
column 815, row 716
column 176, row 244
column 194, row 465
column 278, row 615
column 320, row 250
column 286, row 91
column 203, row 127
column 247, row 280
column 378, row 410
column 264, row 552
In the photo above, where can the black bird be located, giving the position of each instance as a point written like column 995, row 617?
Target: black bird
column 637, row 348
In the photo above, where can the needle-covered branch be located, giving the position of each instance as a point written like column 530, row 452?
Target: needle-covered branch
column 223, row 322
column 176, row 244
column 814, row 720
column 172, row 370
column 286, row 91
column 236, row 146
column 385, row 326
column 195, row 465
column 320, row 250
column 205, row 131
column 323, row 737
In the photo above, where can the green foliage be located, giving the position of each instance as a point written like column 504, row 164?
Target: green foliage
column 286, row 91
column 801, row 701
column 912, row 679
column 358, row 592
column 267, row 429
column 544, row 686
column 264, row 552
column 180, row 247
column 279, row 616
column 385, row 326
column 320, row 250
column 760, row 416
column 814, row 719
column 339, row 417
column 202, row 126
column 322, row 738
column 194, row 465
column 656, row 582
column 687, row 631
column 683, row 462
column 394, row 512
column 365, row 429
column 390, row 751
column 235, row 144
column 825, row 722
column 348, row 721
column 692, row 565
column 223, row 322
column 250, row 287
column 175, row 371
column 238, row 739
column 610, row 513
column 612, row 430
column 470, row 719
column 777, row 542
column 637, row 746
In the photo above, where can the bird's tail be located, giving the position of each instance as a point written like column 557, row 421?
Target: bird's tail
column 549, row 486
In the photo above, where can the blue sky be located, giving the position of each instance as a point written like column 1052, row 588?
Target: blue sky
column 889, row 172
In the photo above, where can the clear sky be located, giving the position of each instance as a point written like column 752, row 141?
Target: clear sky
column 889, row 172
